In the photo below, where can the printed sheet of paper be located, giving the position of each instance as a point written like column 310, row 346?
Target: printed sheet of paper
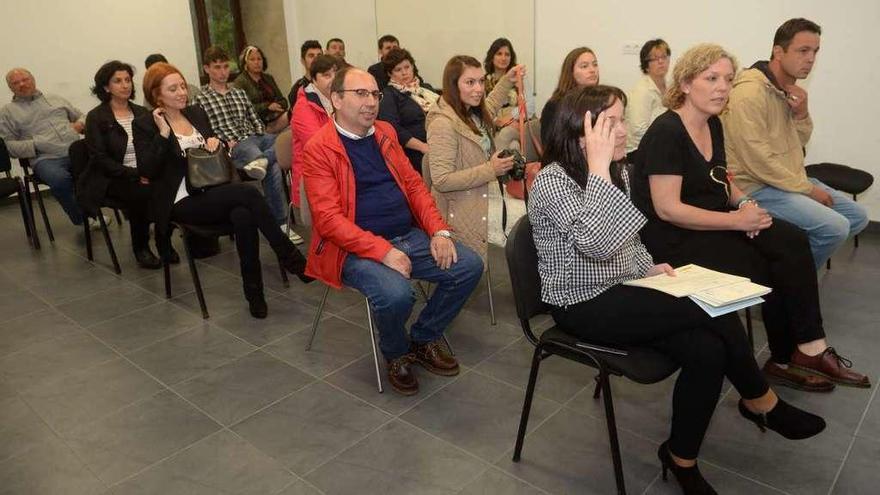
column 688, row 279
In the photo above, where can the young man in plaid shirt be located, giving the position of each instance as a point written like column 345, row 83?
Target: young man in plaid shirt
column 234, row 120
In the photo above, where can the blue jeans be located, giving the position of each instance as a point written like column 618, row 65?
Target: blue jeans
column 263, row 146
column 391, row 295
column 55, row 173
column 826, row 227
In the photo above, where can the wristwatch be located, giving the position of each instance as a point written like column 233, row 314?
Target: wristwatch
column 443, row 233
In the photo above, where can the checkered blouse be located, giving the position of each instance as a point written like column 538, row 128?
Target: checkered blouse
column 587, row 239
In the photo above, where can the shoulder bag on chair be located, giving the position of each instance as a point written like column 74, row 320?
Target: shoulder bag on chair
column 519, row 188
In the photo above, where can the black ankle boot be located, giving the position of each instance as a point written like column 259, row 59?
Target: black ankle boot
column 146, row 259
column 785, row 419
column 689, row 479
column 256, row 301
column 295, row 263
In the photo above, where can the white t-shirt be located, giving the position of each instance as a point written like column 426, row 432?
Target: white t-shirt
column 194, row 140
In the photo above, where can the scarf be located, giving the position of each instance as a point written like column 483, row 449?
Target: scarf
column 422, row 96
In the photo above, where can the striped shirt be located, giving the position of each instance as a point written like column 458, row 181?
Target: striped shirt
column 129, row 160
column 587, row 238
column 232, row 114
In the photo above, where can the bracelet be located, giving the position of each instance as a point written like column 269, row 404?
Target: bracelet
column 744, row 200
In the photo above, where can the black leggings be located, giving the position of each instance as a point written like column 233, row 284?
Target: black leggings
column 245, row 208
column 708, row 349
column 779, row 257
column 136, row 198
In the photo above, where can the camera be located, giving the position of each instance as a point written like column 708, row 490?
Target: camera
column 518, row 172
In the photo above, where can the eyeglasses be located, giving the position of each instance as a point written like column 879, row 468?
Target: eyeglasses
column 363, row 93
column 662, row 58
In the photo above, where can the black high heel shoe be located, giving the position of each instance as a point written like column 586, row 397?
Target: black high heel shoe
column 296, row 264
column 689, row 479
column 785, row 419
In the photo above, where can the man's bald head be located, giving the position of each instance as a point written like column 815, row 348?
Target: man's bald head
column 21, row 82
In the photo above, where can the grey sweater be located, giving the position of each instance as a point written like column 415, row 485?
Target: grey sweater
column 38, row 126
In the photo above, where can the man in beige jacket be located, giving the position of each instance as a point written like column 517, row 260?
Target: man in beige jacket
column 767, row 125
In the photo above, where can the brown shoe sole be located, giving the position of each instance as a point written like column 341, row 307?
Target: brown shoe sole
column 839, row 381
column 404, row 391
column 438, row 371
column 785, row 382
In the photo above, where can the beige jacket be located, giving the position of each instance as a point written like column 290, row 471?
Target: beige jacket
column 644, row 104
column 458, row 171
column 763, row 142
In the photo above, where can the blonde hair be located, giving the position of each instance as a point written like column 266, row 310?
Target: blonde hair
column 691, row 63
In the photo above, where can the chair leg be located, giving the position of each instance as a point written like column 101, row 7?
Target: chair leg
column 375, row 348
column 598, row 390
column 42, row 206
column 749, row 329
column 448, row 345
column 166, row 268
column 109, row 242
column 118, row 217
column 87, row 233
column 489, row 291
column 195, row 276
column 318, row 318
column 28, row 217
column 828, row 264
column 527, row 404
column 612, row 431
column 422, row 291
column 856, row 240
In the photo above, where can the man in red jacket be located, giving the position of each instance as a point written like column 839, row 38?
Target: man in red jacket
column 376, row 226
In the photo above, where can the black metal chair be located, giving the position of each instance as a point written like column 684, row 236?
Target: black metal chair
column 843, row 178
column 187, row 231
column 639, row 364
column 10, row 185
column 31, row 178
column 79, row 159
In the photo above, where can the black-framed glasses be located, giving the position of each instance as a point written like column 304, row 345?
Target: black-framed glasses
column 363, row 93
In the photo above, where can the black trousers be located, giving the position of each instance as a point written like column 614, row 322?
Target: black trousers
column 245, row 208
column 708, row 350
column 136, row 198
column 779, row 257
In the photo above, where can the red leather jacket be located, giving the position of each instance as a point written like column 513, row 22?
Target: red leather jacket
column 330, row 190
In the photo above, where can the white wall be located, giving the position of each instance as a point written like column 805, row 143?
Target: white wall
column 841, row 87
column 434, row 32
column 64, row 43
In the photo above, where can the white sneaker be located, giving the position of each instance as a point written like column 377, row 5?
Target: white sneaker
column 294, row 237
column 257, row 168
column 94, row 224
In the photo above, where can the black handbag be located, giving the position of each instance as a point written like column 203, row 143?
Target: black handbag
column 205, row 169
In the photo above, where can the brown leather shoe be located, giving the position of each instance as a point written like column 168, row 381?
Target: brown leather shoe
column 794, row 379
column 401, row 376
column 435, row 357
column 831, row 365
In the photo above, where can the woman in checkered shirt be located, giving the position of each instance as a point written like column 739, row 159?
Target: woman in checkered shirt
column 586, row 232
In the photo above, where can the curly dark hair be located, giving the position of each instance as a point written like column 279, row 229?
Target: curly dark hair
column 105, row 73
column 393, row 58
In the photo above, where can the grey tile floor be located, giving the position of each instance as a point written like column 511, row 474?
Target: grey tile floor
column 106, row 387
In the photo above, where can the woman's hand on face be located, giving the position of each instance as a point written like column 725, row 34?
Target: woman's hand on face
column 275, row 107
column 212, row 144
column 161, row 123
column 515, row 71
column 501, row 165
column 598, row 144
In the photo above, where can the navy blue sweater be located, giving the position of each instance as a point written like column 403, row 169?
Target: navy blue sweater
column 380, row 206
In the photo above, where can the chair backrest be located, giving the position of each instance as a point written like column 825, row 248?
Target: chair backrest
column 305, row 212
column 522, row 263
column 5, row 161
column 282, row 150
